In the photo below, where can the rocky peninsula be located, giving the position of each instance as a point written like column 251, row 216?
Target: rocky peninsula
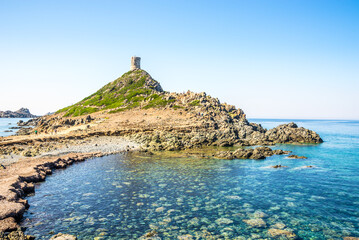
column 21, row 113
column 131, row 113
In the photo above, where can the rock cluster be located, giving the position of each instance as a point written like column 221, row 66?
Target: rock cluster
column 31, row 122
column 16, row 235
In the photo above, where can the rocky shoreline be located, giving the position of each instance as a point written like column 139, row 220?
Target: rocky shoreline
column 131, row 113
column 17, row 179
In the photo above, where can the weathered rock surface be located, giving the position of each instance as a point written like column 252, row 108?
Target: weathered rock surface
column 8, row 224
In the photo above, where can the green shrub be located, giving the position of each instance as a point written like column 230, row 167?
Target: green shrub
column 194, row 103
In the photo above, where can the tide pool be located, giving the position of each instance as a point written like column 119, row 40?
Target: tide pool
column 125, row 196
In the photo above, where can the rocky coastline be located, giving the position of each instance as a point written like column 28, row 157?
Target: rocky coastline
column 137, row 115
column 18, row 180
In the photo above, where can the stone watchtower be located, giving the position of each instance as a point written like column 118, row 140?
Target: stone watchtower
column 135, row 63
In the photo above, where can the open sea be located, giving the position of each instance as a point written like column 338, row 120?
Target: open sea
column 7, row 123
column 125, row 196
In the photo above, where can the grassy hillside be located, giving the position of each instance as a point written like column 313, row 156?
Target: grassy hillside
column 133, row 89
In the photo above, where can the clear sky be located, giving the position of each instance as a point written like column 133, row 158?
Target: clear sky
column 273, row 59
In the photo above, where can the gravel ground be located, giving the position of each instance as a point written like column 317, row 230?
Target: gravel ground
column 96, row 144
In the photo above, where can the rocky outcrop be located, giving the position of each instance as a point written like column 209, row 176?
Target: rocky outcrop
column 250, row 153
column 290, row 133
column 30, row 123
column 21, row 113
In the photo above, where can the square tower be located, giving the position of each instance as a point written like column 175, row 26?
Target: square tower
column 135, row 63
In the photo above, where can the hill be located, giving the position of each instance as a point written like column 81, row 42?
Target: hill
column 137, row 89
column 133, row 89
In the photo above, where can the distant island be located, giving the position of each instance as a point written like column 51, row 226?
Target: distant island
column 21, row 113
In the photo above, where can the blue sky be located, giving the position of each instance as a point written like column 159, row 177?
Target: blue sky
column 273, row 59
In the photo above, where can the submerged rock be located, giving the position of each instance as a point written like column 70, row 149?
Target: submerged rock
column 63, row 236
column 153, row 235
column 185, row 237
column 279, row 166
column 282, row 233
column 224, row 221
column 255, row 222
column 296, row 157
column 278, row 226
column 259, row 214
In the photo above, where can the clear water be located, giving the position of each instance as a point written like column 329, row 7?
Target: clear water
column 6, row 123
column 123, row 196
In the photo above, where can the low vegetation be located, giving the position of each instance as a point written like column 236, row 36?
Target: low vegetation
column 133, row 89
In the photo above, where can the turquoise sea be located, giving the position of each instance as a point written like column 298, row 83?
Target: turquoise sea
column 125, row 196
column 6, row 123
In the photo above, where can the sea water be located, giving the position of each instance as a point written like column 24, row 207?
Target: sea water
column 7, row 123
column 125, row 196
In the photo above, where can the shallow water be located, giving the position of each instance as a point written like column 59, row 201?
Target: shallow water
column 6, row 123
column 124, row 196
